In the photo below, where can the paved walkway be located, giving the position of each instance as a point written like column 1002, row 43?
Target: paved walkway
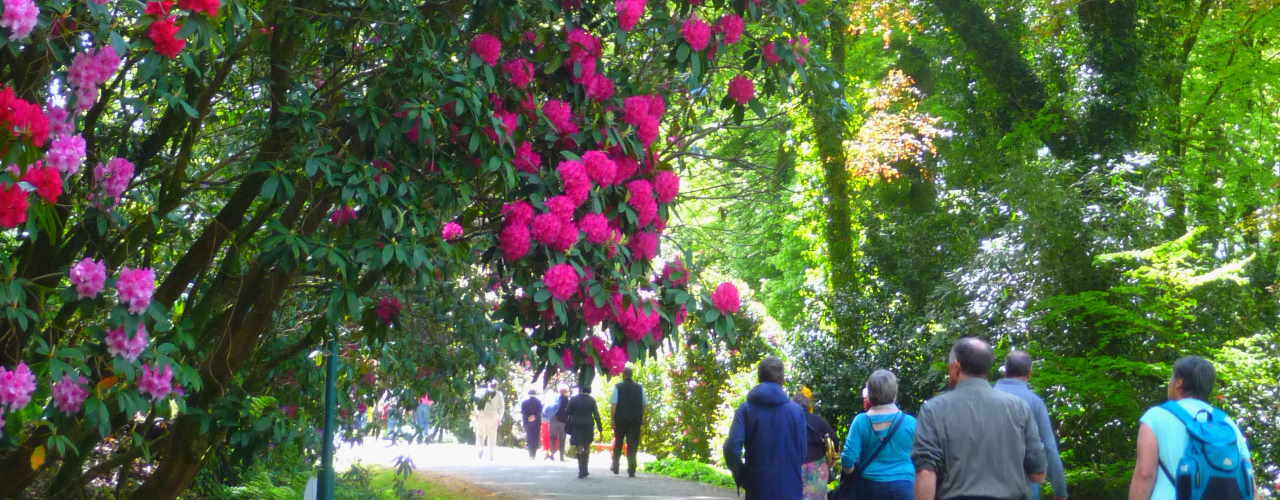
column 512, row 476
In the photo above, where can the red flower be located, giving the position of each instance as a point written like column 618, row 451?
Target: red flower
column 13, row 206
column 163, row 33
column 158, row 9
column 47, row 182
column 388, row 309
column 209, row 7
column 23, row 118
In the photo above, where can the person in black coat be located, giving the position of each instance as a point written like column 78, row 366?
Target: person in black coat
column 531, row 415
column 582, row 414
column 628, row 419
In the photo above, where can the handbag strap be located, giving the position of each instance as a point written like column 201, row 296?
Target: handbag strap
column 897, row 422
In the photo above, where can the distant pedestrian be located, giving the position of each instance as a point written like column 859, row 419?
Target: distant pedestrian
column 548, row 416
column 815, row 471
column 531, row 415
column 422, row 419
column 878, row 448
column 581, row 415
column 1187, row 437
column 628, row 419
column 975, row 442
column 1017, row 373
column 772, row 430
column 558, row 423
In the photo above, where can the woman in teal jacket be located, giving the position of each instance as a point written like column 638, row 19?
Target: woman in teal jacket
column 890, row 475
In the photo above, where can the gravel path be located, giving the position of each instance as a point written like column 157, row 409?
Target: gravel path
column 514, row 477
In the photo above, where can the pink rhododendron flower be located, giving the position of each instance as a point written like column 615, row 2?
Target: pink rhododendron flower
column 675, row 274
column 546, row 228
column 592, row 314
column 561, row 205
column 514, row 241
column 741, row 89
column 16, row 387
column 697, row 33
column 600, row 168
column 568, row 236
column 69, row 393
column 800, row 46
column 135, row 287
column 13, row 206
column 770, row 54
column 681, row 316
column 642, row 202
column 451, row 231
column 574, row 178
column 158, row 9
column 614, row 361
column 517, row 212
column 725, row 298
column 599, row 87
column 566, row 358
column 635, row 109
column 595, row 227
column 560, row 114
column 629, row 12
column 626, row 166
column 562, row 281
column 46, row 180
column 731, row 26
column 23, row 118
column 59, row 120
column 636, row 322
column 666, row 185
column 113, row 177
column 66, row 154
column 89, row 277
column 488, row 47
column 156, row 382
column 583, row 45
column 19, row 18
column 388, row 310
column 121, row 344
column 509, row 121
column 644, row 245
column 519, row 71
column 342, row 215
column 163, row 34
column 93, row 68
column 208, row 7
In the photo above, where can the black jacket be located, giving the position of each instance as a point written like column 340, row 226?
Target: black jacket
column 582, row 414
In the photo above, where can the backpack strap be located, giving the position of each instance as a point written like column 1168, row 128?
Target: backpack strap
column 897, row 422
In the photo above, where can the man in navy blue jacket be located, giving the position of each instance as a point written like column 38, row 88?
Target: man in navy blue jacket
column 772, row 429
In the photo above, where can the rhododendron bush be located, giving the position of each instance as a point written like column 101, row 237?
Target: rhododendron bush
column 194, row 196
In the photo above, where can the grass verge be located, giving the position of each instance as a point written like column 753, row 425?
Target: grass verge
column 691, row 470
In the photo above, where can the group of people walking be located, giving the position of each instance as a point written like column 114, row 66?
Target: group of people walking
column 579, row 418
column 974, row 442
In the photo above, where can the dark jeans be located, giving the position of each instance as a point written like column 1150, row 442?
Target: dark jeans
column 628, row 432
column 885, row 490
column 584, row 454
column 533, row 436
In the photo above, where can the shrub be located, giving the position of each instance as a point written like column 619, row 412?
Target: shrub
column 690, row 470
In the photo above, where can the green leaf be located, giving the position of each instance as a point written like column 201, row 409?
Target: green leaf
column 682, row 53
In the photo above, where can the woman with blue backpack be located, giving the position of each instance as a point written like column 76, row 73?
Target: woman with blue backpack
column 1189, row 450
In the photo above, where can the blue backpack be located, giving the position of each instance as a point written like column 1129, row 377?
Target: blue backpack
column 1211, row 467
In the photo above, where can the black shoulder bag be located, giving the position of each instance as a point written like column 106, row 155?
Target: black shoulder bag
column 848, row 488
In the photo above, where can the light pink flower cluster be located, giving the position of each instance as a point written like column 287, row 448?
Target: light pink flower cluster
column 113, row 178
column 730, row 27
column 741, row 89
column 88, row 276
column 641, row 200
column 615, row 360
column 697, row 33
column 16, row 387
column 666, row 185
column 66, row 154
column 562, row 281
column 643, row 245
column 120, row 344
column 725, row 298
column 156, row 382
column 519, row 71
column 560, row 114
column 526, row 159
column 629, row 12
column 88, row 71
column 19, row 18
column 488, row 47
column 135, row 287
column 451, row 231
column 69, row 393
column 59, row 120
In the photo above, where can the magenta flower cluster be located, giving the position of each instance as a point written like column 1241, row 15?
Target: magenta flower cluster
column 66, row 154
column 121, row 344
column 88, row 71
column 113, row 178
column 562, row 281
column 16, row 387
column 451, row 231
column 135, row 287
column 69, row 393
column 725, row 298
column 89, row 277
column 156, row 382
column 19, row 18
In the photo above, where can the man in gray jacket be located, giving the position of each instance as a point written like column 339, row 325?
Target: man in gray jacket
column 1017, row 371
column 973, row 442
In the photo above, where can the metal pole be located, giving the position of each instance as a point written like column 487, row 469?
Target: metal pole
column 325, row 489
